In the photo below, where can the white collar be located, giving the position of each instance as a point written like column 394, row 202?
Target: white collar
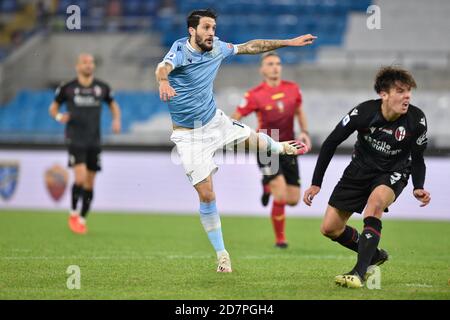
column 190, row 47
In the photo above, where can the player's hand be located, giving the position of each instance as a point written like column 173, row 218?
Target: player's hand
column 116, row 126
column 304, row 137
column 166, row 92
column 309, row 195
column 423, row 196
column 301, row 41
column 63, row 117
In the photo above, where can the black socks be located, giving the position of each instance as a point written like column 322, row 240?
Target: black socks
column 368, row 243
column 77, row 193
column 87, row 199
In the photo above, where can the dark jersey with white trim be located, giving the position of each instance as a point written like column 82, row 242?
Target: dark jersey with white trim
column 84, row 105
column 382, row 146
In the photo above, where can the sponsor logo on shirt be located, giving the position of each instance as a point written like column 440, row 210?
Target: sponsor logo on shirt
column 278, row 96
column 381, row 146
column 86, row 101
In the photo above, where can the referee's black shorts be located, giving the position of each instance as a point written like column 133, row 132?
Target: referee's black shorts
column 356, row 184
column 287, row 166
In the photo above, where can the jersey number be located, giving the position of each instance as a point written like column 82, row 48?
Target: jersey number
column 395, row 177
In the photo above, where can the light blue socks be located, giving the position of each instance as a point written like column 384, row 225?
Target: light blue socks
column 272, row 145
column 211, row 223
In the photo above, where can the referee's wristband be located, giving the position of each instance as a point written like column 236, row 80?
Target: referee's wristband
column 58, row 116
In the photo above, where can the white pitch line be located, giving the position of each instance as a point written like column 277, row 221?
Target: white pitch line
column 250, row 257
column 419, row 285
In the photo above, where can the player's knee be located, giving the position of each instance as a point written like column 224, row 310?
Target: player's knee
column 206, row 196
column 375, row 205
column 292, row 202
column 280, row 198
column 329, row 231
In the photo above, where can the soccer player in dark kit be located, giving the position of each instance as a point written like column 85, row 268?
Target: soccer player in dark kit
column 83, row 96
column 392, row 137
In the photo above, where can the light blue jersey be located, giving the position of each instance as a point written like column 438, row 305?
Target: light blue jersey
column 192, row 78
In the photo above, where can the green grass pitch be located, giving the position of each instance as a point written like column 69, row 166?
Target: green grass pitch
column 169, row 257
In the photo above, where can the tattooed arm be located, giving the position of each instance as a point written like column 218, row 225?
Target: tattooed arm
column 260, row 46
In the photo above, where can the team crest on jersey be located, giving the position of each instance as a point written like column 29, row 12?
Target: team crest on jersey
column 400, row 133
column 280, row 106
column 9, row 174
column 97, row 91
column 56, row 179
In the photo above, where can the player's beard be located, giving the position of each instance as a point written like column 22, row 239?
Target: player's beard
column 202, row 44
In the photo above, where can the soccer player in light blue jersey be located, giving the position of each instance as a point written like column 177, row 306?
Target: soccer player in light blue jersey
column 185, row 78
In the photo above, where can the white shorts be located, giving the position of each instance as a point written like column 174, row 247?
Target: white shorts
column 196, row 147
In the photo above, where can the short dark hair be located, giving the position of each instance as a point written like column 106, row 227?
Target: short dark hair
column 268, row 54
column 387, row 77
column 194, row 17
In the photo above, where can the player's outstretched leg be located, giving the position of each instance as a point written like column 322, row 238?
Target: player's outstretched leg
column 261, row 142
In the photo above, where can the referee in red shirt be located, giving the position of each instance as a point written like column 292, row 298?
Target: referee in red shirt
column 276, row 103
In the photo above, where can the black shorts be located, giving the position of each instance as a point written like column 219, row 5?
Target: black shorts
column 88, row 155
column 356, row 184
column 288, row 167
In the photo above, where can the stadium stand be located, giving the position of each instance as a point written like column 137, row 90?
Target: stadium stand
column 128, row 38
